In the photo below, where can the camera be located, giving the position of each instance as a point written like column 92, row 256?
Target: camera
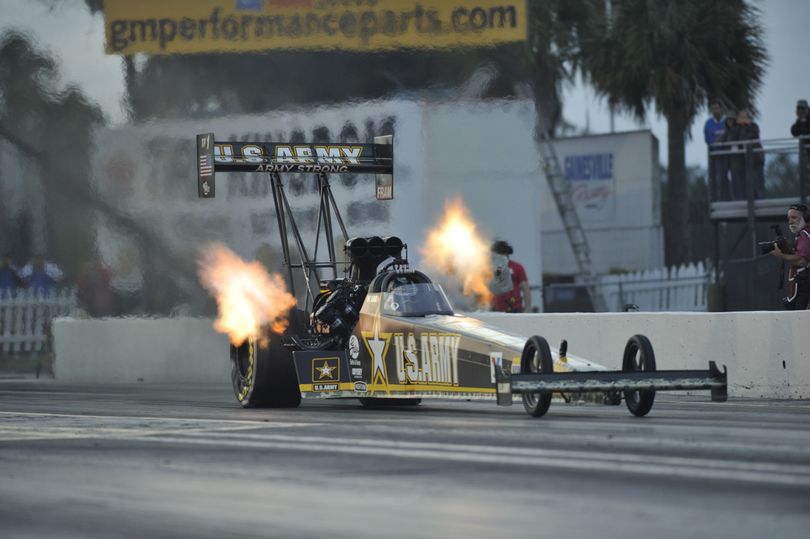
column 766, row 247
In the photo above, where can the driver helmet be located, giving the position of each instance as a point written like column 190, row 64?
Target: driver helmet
column 402, row 294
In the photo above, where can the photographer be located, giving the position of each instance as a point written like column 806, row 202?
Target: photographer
column 798, row 275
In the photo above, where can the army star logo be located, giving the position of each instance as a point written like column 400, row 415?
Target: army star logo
column 378, row 348
column 326, row 371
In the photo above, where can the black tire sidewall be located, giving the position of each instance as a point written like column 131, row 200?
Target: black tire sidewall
column 639, row 402
column 536, row 404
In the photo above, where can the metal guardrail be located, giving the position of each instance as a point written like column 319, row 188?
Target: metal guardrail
column 739, row 185
column 680, row 288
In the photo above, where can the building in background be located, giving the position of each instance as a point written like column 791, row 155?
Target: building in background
column 481, row 151
column 617, row 192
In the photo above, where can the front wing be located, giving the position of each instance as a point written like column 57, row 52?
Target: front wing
column 612, row 381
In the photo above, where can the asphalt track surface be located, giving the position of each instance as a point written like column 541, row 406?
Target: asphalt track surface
column 161, row 461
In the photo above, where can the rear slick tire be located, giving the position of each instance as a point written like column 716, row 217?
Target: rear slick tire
column 263, row 375
column 639, row 356
column 536, row 358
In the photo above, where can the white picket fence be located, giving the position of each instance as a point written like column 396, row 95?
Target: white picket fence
column 679, row 288
column 25, row 319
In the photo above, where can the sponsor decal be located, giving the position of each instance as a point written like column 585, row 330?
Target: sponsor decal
column 354, row 347
column 325, row 370
column 385, row 192
column 270, row 167
column 355, row 362
column 205, row 166
column 332, row 386
column 377, row 345
column 495, row 362
column 357, row 372
column 429, row 358
column 360, row 386
column 322, row 154
column 223, row 153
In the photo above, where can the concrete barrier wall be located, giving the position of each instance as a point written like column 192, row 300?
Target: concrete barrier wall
column 113, row 350
column 767, row 353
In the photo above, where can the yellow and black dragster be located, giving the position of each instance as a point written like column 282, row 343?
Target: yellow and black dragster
column 384, row 333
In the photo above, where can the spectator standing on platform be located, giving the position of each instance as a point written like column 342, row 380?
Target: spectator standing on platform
column 746, row 130
column 801, row 127
column 518, row 299
column 10, row 279
column 40, row 275
column 713, row 131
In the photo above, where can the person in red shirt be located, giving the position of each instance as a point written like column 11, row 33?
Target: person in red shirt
column 518, row 299
column 799, row 273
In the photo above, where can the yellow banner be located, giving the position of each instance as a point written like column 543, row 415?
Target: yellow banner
column 188, row 26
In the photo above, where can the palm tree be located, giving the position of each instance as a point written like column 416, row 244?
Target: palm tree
column 556, row 30
column 676, row 55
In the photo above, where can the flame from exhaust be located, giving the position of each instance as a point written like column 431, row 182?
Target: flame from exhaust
column 248, row 297
column 455, row 247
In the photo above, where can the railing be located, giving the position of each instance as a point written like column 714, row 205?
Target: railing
column 25, row 319
column 681, row 288
column 757, row 177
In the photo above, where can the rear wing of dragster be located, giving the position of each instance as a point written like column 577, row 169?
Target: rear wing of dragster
column 287, row 157
column 320, row 159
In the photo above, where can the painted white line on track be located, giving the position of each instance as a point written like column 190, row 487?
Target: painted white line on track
column 689, row 468
column 41, row 426
column 258, row 422
column 528, row 452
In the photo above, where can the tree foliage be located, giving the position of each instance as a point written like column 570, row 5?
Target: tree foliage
column 557, row 29
column 672, row 56
column 35, row 109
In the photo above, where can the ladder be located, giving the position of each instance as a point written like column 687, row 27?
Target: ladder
column 561, row 191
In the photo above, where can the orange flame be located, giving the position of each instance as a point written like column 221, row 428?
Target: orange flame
column 248, row 297
column 454, row 247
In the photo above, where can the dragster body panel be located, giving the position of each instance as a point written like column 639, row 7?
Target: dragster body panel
column 432, row 355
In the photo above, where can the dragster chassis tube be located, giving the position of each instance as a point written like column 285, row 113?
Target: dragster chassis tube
column 594, row 381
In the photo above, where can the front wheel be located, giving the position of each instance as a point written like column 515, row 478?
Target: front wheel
column 263, row 374
column 639, row 356
column 536, row 358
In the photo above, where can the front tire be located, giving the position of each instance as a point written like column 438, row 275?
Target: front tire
column 263, row 375
column 536, row 358
column 639, row 356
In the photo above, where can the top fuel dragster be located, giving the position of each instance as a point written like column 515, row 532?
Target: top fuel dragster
column 385, row 333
